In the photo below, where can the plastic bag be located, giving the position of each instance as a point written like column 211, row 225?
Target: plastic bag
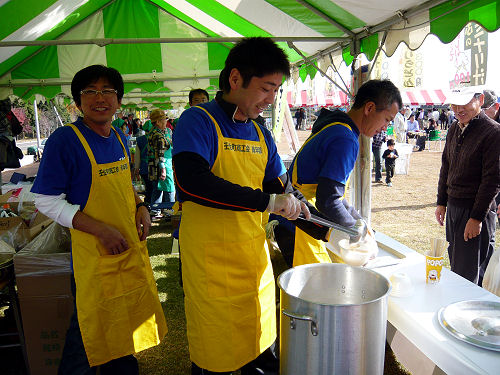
column 55, row 239
column 15, row 237
column 491, row 280
column 26, row 207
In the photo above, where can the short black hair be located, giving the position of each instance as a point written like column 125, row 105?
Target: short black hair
column 197, row 91
column 390, row 142
column 380, row 91
column 92, row 74
column 254, row 57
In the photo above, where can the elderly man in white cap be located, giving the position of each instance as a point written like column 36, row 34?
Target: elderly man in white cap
column 469, row 180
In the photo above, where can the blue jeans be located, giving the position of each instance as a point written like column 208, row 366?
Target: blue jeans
column 376, row 159
column 159, row 196
column 74, row 359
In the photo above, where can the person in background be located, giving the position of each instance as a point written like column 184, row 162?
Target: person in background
column 299, row 116
column 469, row 181
column 84, row 183
column 160, row 172
column 400, row 126
column 390, row 155
column 228, row 173
column 491, row 105
column 491, row 109
column 119, row 121
column 141, row 165
column 138, row 127
column 412, row 124
column 130, row 123
column 451, row 117
column 378, row 141
column 198, row 96
column 435, row 115
column 443, row 119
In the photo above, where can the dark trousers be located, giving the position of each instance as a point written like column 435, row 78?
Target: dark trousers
column 377, row 154
column 74, row 359
column 264, row 364
column 148, row 187
column 389, row 172
column 469, row 258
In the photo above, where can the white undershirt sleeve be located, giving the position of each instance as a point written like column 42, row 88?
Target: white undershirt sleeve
column 57, row 208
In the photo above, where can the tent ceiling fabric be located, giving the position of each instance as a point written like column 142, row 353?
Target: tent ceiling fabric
column 177, row 67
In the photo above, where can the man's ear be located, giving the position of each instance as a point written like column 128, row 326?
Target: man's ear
column 369, row 108
column 235, row 79
column 481, row 100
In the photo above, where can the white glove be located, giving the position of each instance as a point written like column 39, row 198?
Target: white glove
column 491, row 280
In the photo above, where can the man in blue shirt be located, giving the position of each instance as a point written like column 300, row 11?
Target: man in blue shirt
column 228, row 173
column 322, row 166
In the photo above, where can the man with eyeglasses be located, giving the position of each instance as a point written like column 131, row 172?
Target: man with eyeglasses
column 469, row 180
column 84, row 184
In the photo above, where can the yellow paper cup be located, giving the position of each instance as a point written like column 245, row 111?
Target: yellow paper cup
column 433, row 267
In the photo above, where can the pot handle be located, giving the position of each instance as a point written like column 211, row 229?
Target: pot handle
column 293, row 316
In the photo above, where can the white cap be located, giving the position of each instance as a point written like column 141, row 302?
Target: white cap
column 462, row 96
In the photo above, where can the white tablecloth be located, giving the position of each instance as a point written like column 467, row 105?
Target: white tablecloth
column 415, row 316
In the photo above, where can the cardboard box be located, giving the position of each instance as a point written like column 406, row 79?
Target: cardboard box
column 24, row 233
column 46, row 303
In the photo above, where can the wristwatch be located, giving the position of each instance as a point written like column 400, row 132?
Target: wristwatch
column 143, row 204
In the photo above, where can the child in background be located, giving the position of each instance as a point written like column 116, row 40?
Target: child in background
column 390, row 155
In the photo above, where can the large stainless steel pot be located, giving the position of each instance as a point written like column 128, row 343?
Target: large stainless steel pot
column 333, row 320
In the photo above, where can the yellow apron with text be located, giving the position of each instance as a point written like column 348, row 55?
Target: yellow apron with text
column 307, row 249
column 227, row 273
column 117, row 302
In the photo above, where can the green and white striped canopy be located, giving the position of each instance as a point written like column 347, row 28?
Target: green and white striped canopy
column 163, row 48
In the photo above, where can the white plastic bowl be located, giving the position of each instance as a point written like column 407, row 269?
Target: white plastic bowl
column 353, row 256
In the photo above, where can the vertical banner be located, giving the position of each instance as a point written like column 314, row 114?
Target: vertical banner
column 476, row 40
column 460, row 62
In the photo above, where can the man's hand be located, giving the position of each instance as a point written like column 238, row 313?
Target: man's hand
column 498, row 210
column 440, row 214
column 289, row 207
column 143, row 222
column 112, row 240
column 472, row 229
column 163, row 174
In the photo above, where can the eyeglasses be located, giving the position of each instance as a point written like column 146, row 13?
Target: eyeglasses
column 104, row 92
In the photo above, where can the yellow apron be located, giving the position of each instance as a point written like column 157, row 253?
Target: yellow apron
column 117, row 302
column 228, row 277
column 306, row 248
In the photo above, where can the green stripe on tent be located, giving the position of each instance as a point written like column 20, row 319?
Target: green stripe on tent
column 214, row 82
column 74, row 18
column 29, row 94
column 308, row 18
column 216, row 56
column 43, row 65
column 338, row 14
column 346, row 55
column 369, row 46
column 11, row 11
column 446, row 28
column 228, row 18
column 183, row 17
column 132, row 19
column 144, row 86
